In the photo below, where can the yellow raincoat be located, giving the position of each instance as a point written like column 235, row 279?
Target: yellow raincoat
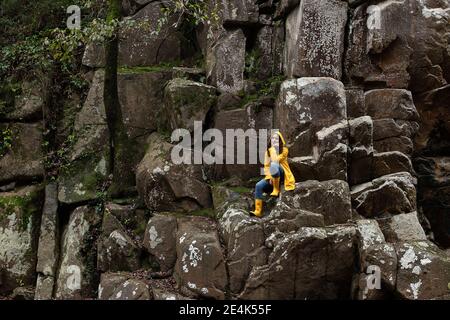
column 282, row 159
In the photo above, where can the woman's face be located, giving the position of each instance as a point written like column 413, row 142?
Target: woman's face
column 275, row 141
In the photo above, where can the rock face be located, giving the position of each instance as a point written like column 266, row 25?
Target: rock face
column 20, row 214
column 165, row 186
column 311, row 113
column 226, row 62
column 160, row 240
column 116, row 250
column 77, row 256
column 315, row 275
column 23, row 159
column 400, row 55
column 360, row 91
column 122, row 286
column 315, row 39
column 139, row 46
column 28, row 105
column 48, row 248
column 187, row 101
column 392, row 194
column 200, row 267
column 89, row 158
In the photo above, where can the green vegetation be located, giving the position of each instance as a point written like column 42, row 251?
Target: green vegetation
column 165, row 66
column 264, row 88
column 25, row 207
column 240, row 190
column 6, row 138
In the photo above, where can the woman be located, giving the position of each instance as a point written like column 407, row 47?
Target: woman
column 277, row 171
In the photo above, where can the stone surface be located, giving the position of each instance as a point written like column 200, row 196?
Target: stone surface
column 403, row 227
column 329, row 198
column 399, row 44
column 237, row 12
column 390, row 103
column 200, row 268
column 44, row 287
column 315, row 39
column 386, row 163
column 138, row 45
column 160, row 240
column 48, row 246
column 23, row 160
column 165, row 186
column 28, row 104
column 394, row 193
column 20, row 214
column 368, row 234
column 116, row 249
column 122, row 286
column 418, row 264
column 305, row 106
column 75, row 274
column 250, row 119
column 226, row 62
column 187, row 101
column 303, row 265
column 433, row 196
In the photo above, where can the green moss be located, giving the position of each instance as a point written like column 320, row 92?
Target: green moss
column 241, row 190
column 166, row 66
column 25, row 206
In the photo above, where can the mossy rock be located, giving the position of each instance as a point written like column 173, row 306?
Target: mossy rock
column 20, row 215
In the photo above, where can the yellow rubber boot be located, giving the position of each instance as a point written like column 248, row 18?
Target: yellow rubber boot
column 258, row 208
column 276, row 187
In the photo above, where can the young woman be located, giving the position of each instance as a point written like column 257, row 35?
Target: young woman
column 277, row 171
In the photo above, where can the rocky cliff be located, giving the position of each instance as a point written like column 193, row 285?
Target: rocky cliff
column 361, row 91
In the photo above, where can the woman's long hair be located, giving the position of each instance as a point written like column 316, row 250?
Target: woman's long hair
column 280, row 144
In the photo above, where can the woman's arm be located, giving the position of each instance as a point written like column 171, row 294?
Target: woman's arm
column 283, row 156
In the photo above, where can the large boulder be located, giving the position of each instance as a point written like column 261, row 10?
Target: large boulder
column 76, row 273
column 160, row 240
column 394, row 194
column 407, row 44
column 403, row 227
column 328, row 198
column 165, row 186
column 200, row 269
column 315, row 33
column 21, row 156
column 116, row 251
column 423, row 271
column 187, row 101
column 28, row 105
column 226, row 62
column 244, row 238
column 20, row 214
column 139, row 45
column 313, row 263
column 390, row 103
column 123, row 286
column 237, row 12
column 306, row 106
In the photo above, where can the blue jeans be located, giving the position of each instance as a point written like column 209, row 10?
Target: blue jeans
column 264, row 186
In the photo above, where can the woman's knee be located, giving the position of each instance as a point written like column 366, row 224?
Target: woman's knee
column 275, row 169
